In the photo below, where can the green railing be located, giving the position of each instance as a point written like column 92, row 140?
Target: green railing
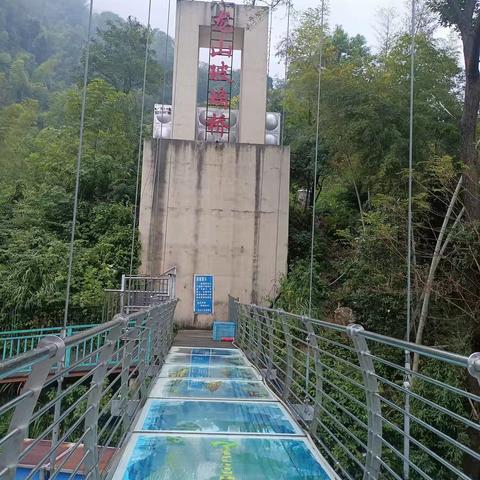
column 17, row 342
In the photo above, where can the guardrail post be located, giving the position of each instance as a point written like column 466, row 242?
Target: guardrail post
column 144, row 335
column 474, row 366
column 288, row 344
column 267, row 368
column 93, row 402
column 312, row 342
column 18, row 430
column 250, row 328
column 271, row 351
column 166, row 319
column 157, row 324
column 161, row 332
column 171, row 325
column 257, row 332
column 374, row 407
column 241, row 326
column 124, row 399
column 68, row 352
column 122, row 294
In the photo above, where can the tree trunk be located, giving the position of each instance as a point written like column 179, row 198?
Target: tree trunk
column 468, row 128
column 437, row 255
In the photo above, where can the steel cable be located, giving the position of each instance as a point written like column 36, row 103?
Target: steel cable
column 140, row 140
column 77, row 175
column 317, row 141
column 164, row 246
column 282, row 133
column 407, row 379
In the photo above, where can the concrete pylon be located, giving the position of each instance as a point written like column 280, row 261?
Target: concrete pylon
column 216, row 210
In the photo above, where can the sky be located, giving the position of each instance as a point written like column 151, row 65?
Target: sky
column 356, row 16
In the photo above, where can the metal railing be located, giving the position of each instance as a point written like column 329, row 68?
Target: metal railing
column 370, row 417
column 62, row 424
column 138, row 291
column 18, row 342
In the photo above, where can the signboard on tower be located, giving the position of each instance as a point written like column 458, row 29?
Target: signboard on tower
column 220, row 71
column 203, row 301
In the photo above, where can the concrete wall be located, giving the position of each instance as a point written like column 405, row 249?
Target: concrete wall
column 215, row 209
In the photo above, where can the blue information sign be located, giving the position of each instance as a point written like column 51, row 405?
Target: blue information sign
column 203, row 294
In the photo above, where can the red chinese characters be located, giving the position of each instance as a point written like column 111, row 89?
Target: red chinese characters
column 219, row 73
column 221, row 49
column 221, row 45
column 222, row 22
column 219, row 98
column 218, row 124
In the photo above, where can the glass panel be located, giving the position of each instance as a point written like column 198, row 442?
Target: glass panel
column 217, row 417
column 227, row 372
column 209, row 389
column 205, row 359
column 227, row 352
column 206, row 458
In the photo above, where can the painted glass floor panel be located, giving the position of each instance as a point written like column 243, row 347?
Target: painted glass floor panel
column 226, row 372
column 216, row 417
column 163, row 457
column 181, row 388
column 225, row 352
column 206, row 359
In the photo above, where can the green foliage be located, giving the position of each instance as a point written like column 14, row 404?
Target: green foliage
column 360, row 229
column 118, row 55
column 36, row 201
column 41, row 45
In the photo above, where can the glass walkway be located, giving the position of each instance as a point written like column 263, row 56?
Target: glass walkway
column 210, row 416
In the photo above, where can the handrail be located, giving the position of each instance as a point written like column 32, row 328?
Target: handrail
column 432, row 352
column 16, row 363
column 92, row 413
column 350, row 389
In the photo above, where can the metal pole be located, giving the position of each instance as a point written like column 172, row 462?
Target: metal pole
column 287, row 46
column 407, row 383
column 312, row 246
column 282, row 135
column 77, row 177
column 140, row 138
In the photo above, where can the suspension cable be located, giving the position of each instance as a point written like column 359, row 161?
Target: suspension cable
column 77, row 176
column 165, row 54
column 287, row 46
column 282, row 120
column 317, row 142
column 269, row 48
column 164, row 246
column 406, row 446
column 140, row 141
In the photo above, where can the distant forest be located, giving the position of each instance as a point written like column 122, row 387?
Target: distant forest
column 41, row 68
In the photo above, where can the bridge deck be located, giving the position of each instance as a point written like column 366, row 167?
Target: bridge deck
column 198, row 338
column 210, row 416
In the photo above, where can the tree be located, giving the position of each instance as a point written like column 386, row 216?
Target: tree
column 464, row 16
column 118, row 54
column 386, row 28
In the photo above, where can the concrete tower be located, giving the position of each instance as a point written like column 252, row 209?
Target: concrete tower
column 215, row 203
